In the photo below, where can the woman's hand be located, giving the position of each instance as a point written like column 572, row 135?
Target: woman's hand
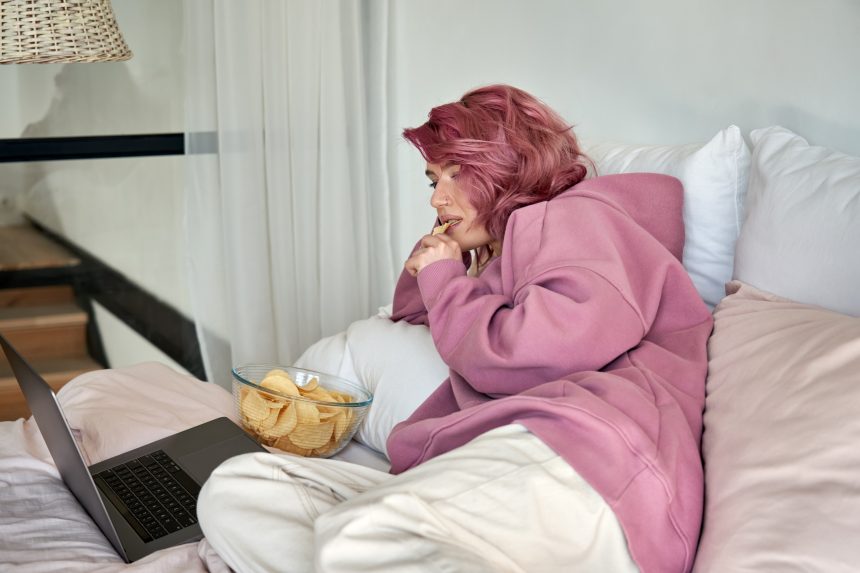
column 432, row 249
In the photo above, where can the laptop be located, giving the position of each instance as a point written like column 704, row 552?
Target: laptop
column 143, row 500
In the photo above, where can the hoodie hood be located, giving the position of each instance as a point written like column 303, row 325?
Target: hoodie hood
column 654, row 201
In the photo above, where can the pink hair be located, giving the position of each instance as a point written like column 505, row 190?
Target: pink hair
column 513, row 150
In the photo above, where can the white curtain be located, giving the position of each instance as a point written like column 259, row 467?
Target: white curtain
column 287, row 195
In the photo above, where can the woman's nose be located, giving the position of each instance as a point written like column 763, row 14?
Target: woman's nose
column 439, row 198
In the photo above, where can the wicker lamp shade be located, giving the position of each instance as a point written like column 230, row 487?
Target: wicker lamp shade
column 59, row 31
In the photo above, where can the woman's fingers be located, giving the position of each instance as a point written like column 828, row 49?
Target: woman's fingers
column 412, row 264
column 431, row 241
column 432, row 249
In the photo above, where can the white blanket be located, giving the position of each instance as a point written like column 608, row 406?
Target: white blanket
column 43, row 529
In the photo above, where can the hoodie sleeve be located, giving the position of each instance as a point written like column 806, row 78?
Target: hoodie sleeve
column 408, row 304
column 564, row 320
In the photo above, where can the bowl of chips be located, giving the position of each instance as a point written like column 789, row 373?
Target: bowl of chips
column 296, row 410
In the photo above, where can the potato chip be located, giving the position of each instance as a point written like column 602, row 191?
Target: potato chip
column 311, row 384
column 325, row 415
column 325, row 450
column 277, row 372
column 282, row 384
column 273, row 401
column 310, row 436
column 270, row 420
column 342, row 423
column 285, row 444
column 320, row 394
column 441, row 228
column 286, row 423
column 254, row 407
column 342, row 397
column 306, row 412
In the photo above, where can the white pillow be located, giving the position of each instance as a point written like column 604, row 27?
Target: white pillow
column 714, row 175
column 396, row 361
column 801, row 235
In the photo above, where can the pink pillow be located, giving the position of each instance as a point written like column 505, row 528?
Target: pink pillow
column 782, row 437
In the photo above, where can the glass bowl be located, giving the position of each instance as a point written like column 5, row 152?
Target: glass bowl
column 300, row 411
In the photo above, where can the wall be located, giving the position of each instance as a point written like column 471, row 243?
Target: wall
column 10, row 127
column 141, row 95
column 127, row 212
column 666, row 71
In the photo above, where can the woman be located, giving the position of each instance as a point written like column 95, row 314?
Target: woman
column 566, row 437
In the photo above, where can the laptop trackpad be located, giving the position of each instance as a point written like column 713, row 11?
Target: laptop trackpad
column 200, row 464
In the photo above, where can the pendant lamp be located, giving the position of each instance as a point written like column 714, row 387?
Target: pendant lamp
column 59, row 31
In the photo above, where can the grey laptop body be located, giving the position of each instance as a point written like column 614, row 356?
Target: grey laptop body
column 143, row 500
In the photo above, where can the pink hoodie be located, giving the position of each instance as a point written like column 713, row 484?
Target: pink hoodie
column 588, row 331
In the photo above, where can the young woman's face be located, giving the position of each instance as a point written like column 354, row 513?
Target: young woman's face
column 452, row 204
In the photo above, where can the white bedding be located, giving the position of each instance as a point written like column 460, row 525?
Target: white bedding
column 44, row 529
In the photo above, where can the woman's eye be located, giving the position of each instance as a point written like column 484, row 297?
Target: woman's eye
column 433, row 184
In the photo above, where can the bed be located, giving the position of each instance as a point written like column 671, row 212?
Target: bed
column 772, row 231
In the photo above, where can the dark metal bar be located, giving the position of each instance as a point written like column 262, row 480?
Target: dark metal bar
column 91, row 147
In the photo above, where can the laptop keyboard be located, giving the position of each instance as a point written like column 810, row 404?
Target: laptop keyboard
column 152, row 493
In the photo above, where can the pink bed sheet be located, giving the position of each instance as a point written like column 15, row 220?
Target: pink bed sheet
column 43, row 528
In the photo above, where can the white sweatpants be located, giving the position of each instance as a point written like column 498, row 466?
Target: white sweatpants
column 504, row 502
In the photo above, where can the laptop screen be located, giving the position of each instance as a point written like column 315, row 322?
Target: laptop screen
column 58, row 437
